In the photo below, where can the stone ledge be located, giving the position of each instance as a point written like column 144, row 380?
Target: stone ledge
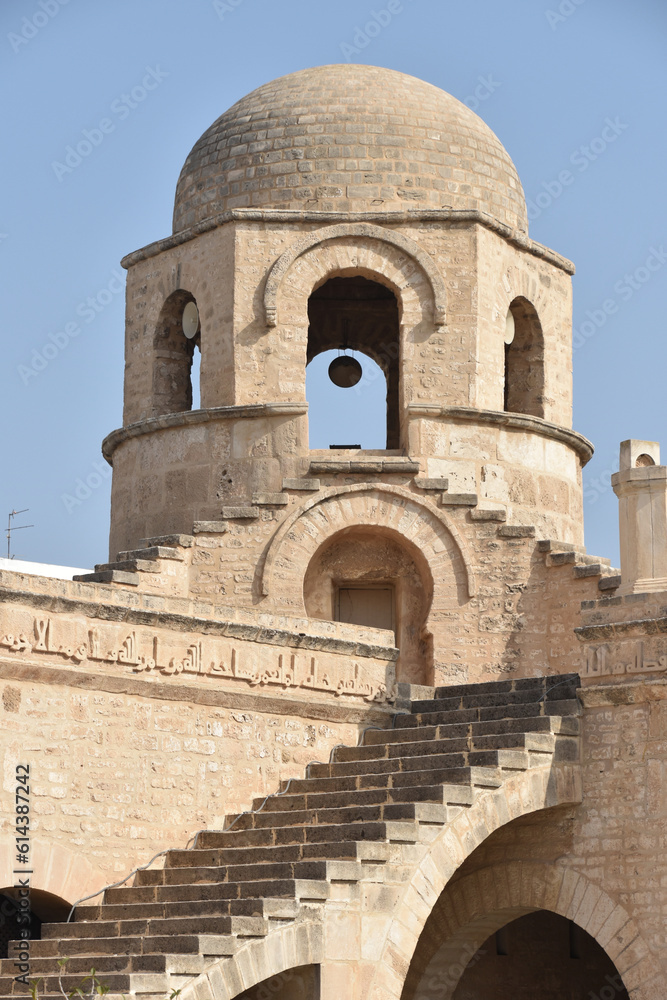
column 360, row 465
column 190, row 623
column 190, row 418
column 210, row 527
column 516, row 531
column 240, row 513
column 488, row 514
column 513, row 421
column 182, row 541
column 442, row 485
column 109, row 576
column 270, row 499
column 458, row 500
column 307, row 485
column 609, row 582
column 515, row 237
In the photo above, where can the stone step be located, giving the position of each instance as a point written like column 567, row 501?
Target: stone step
column 475, row 758
column 569, row 707
column 117, row 983
column 170, row 541
column 233, row 873
column 377, row 813
column 453, row 730
column 81, row 965
column 509, row 699
column 459, row 777
column 109, row 576
column 537, row 684
column 152, row 552
column 158, row 926
column 194, row 858
column 243, row 911
column 128, row 566
column 287, row 888
column 291, row 801
column 461, row 744
column 292, row 835
column 610, row 582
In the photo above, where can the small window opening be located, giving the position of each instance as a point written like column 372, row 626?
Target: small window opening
column 524, row 360
column 176, row 343
column 353, row 322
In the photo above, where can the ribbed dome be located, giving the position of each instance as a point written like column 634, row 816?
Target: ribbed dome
column 348, row 138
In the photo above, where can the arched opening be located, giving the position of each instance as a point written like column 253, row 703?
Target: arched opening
column 371, row 576
column 302, row 983
column 19, row 914
column 524, row 360
column 357, row 314
column 177, row 338
column 541, row 954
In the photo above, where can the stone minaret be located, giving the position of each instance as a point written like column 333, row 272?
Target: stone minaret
column 351, row 202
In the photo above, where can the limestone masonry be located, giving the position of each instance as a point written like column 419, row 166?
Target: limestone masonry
column 344, row 723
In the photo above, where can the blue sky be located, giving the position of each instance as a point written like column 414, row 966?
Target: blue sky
column 555, row 72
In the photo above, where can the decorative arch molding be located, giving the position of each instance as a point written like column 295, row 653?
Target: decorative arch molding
column 481, row 903
column 517, row 283
column 58, row 870
column 356, row 231
column 392, row 507
column 300, row 943
column 519, row 794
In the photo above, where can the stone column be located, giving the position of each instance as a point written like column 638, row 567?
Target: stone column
column 641, row 487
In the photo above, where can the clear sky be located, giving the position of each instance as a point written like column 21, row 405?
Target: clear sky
column 548, row 76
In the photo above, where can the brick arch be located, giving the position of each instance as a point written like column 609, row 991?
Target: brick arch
column 391, row 507
column 521, row 284
column 362, row 248
column 523, row 793
column 298, row 944
column 481, row 903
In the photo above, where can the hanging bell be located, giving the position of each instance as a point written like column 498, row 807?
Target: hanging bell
column 345, row 371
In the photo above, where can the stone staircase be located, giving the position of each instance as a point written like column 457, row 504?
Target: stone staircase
column 362, row 817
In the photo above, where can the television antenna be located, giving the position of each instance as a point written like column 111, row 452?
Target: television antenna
column 15, row 527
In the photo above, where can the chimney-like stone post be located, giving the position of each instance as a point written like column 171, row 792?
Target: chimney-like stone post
column 641, row 487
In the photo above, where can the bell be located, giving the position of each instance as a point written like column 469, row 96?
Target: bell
column 345, row 371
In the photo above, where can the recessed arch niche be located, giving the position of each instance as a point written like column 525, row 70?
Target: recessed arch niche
column 374, row 576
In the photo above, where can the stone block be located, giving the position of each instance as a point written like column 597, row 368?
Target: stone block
column 516, row 531
column 458, row 500
column 306, row 485
column 209, row 527
column 240, row 513
column 431, row 484
column 270, row 499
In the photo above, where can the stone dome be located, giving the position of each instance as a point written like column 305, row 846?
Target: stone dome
column 348, row 139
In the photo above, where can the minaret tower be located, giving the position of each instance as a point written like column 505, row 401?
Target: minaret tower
column 350, row 203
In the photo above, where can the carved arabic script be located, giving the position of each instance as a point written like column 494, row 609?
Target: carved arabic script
column 603, row 662
column 148, row 654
